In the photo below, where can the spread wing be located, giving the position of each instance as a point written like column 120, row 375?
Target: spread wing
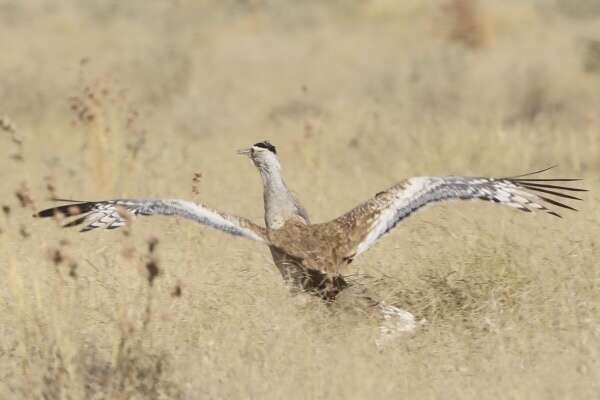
column 112, row 214
column 371, row 220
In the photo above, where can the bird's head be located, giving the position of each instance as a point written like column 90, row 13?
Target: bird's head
column 263, row 155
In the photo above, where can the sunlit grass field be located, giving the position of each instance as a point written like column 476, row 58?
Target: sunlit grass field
column 104, row 99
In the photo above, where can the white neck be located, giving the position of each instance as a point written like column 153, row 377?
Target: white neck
column 280, row 204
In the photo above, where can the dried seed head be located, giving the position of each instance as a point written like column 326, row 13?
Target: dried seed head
column 73, row 269
column 152, row 243
column 7, row 125
column 23, row 196
column 50, row 186
column 196, row 182
column 153, row 271
column 176, row 292
column 126, row 215
column 23, row 232
column 17, row 157
column 73, row 210
column 56, row 256
column 22, row 199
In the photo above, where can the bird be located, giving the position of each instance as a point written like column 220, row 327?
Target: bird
column 312, row 257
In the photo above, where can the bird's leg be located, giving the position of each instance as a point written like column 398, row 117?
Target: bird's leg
column 323, row 285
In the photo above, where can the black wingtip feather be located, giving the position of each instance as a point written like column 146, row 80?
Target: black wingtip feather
column 532, row 173
column 543, row 185
column 552, row 192
column 50, row 212
column 67, row 200
column 67, row 210
column 548, row 186
column 557, row 203
column 547, row 180
column 76, row 222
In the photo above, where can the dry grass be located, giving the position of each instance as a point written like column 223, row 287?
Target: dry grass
column 105, row 99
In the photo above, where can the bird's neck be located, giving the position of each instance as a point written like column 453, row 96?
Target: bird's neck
column 280, row 204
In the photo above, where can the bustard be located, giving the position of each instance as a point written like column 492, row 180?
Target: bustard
column 312, row 257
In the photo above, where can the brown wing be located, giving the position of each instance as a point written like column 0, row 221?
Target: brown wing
column 368, row 222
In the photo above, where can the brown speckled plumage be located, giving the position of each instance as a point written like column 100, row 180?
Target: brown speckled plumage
column 312, row 257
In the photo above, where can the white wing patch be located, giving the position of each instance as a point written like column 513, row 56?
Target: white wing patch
column 386, row 220
column 113, row 214
column 402, row 200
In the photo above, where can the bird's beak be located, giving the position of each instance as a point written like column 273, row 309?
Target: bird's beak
column 244, row 152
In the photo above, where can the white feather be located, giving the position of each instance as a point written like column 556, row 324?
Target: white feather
column 418, row 192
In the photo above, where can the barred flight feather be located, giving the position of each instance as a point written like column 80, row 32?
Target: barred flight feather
column 112, row 214
column 383, row 212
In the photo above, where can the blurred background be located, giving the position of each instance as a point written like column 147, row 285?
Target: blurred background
column 103, row 99
column 469, row 87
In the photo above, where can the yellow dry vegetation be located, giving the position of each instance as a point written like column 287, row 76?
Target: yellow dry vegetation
column 103, row 99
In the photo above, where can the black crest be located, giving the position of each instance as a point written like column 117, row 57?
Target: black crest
column 267, row 145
